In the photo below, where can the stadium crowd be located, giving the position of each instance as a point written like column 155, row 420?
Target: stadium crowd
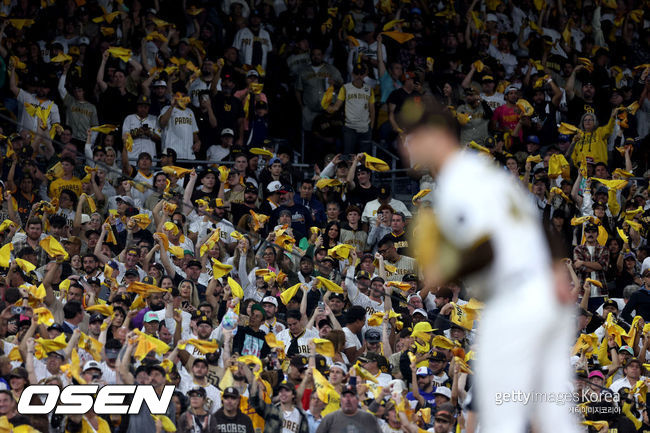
column 190, row 197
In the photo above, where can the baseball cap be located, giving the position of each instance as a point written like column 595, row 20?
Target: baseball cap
column 487, row 78
column 445, row 412
column 563, row 138
column 160, row 83
column 372, row 336
column 423, row 371
column 409, row 278
column 341, row 366
column 420, row 311
column 591, row 227
column 198, row 391
column 131, row 273
column 363, row 274
column 19, row 372
column 593, row 374
column 151, row 316
column 299, row 361
column 287, row 385
column 610, row 303
column 532, row 139
column 252, row 73
column 443, row 390
column 274, row 160
column 169, row 152
column 270, row 300
column 203, row 319
column 143, row 100
column 126, row 199
column 227, row 131
column 351, row 389
column 510, row 89
column 231, row 391
column 627, row 349
column 286, row 188
column 55, row 327
column 90, row 365
column 96, row 318
column 491, row 18
column 84, row 41
column 194, row 263
column 437, row 356
column 384, row 192
column 274, row 186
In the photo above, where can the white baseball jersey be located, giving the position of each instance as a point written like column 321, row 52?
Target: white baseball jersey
column 498, row 208
column 303, row 341
column 31, row 122
column 179, row 132
column 133, row 122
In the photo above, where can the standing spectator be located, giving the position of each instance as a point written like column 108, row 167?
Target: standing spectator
column 253, row 42
column 506, row 117
column 228, row 109
column 80, row 114
column 143, row 128
column 39, row 98
column 116, row 100
column 230, row 418
column 312, row 83
column 473, row 116
column 180, row 129
column 349, row 417
column 590, row 261
column 359, row 111
column 399, row 96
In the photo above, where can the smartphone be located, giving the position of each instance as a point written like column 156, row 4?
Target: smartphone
column 17, row 310
column 321, row 305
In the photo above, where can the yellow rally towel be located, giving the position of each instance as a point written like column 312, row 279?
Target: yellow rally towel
column 375, row 164
column 53, row 247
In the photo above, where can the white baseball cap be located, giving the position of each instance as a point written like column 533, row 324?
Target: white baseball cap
column 90, row 365
column 270, row 300
column 443, row 390
column 340, row 366
column 160, row 83
column 85, row 218
column 491, row 17
column 274, row 186
column 420, row 311
column 227, row 131
column 125, row 199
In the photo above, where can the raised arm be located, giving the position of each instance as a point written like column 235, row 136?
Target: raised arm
column 13, row 83
column 100, row 72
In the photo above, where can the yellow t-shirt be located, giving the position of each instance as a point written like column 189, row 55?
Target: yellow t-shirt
column 59, row 185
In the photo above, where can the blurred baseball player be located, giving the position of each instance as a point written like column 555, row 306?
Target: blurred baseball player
column 489, row 233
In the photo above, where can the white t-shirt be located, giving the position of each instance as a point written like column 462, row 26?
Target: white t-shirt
column 521, row 256
column 370, row 210
column 351, row 340
column 213, row 395
column 179, row 132
column 217, row 153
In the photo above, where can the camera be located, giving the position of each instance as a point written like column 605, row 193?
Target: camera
column 17, row 310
